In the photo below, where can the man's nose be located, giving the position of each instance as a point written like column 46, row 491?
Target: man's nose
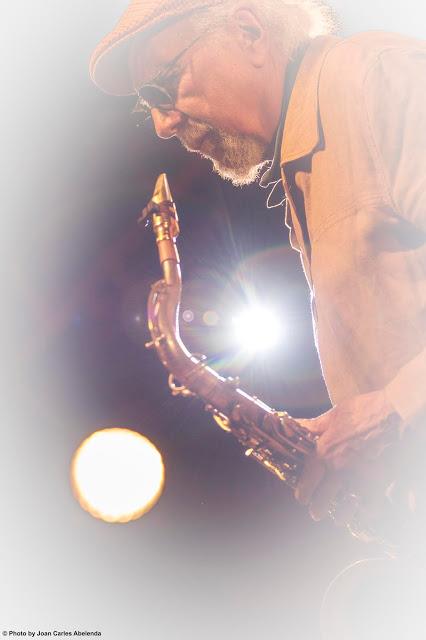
column 166, row 123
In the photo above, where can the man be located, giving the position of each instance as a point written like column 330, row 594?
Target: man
column 232, row 80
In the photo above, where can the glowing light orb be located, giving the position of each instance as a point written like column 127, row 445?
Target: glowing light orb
column 257, row 329
column 210, row 318
column 117, row 475
column 188, row 315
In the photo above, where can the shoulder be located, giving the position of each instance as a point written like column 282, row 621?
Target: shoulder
column 351, row 60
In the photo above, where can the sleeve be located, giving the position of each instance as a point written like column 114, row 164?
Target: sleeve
column 395, row 95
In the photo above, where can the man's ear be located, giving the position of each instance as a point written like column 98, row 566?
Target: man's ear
column 250, row 35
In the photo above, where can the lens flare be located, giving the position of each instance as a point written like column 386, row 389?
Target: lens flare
column 210, row 318
column 117, row 475
column 257, row 329
column 188, row 315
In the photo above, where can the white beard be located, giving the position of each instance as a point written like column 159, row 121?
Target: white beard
column 237, row 158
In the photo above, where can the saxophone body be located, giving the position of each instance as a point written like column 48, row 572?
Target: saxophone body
column 273, row 439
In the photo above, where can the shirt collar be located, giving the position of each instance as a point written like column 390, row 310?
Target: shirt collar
column 301, row 127
column 298, row 130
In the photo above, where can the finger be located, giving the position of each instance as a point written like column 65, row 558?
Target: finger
column 332, row 498
column 311, row 477
column 345, row 509
column 324, row 497
column 338, row 454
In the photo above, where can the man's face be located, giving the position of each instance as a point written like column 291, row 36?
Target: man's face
column 235, row 157
column 217, row 95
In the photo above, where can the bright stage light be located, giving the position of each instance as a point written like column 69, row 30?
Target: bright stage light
column 117, row 475
column 257, row 329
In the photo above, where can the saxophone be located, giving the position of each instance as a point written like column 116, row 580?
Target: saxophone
column 274, row 439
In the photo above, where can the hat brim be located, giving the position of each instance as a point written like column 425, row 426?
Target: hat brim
column 109, row 65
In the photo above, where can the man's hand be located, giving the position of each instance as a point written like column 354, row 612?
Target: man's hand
column 350, row 436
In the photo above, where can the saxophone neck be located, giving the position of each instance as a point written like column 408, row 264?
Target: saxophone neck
column 165, row 224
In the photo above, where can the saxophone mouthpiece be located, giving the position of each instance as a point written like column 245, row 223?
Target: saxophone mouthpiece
column 161, row 196
column 162, row 191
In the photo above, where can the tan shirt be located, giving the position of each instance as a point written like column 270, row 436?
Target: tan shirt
column 353, row 162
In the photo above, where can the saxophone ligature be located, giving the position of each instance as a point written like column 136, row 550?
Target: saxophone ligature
column 274, row 439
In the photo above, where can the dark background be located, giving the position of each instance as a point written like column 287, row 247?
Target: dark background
column 226, row 552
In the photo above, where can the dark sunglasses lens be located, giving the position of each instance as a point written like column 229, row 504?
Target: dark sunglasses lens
column 153, row 96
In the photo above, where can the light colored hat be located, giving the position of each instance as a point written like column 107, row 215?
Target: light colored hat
column 109, row 67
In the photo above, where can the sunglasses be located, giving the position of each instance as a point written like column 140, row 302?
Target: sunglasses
column 161, row 91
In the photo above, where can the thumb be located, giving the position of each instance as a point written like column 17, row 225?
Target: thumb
column 314, row 425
